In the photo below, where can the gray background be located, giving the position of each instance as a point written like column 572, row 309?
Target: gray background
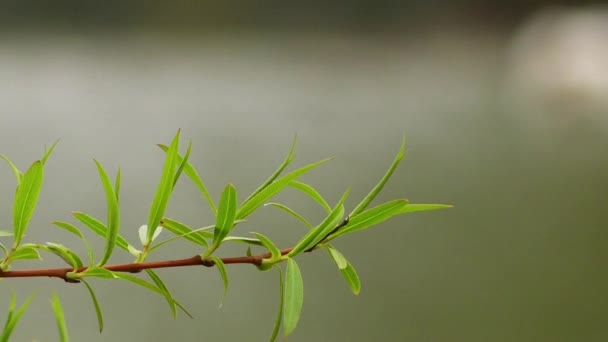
column 521, row 257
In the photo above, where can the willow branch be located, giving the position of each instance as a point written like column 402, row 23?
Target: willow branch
column 138, row 267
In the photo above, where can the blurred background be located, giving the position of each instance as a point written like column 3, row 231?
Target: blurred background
column 504, row 105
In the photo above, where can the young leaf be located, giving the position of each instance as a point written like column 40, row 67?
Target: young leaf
column 226, row 214
column 181, row 229
column 292, row 213
column 352, row 279
column 143, row 233
column 72, row 229
column 99, row 272
column 24, row 253
column 339, row 259
column 277, row 321
column 410, row 208
column 5, row 233
column 222, row 269
column 169, row 297
column 26, row 198
column 317, row 235
column 372, row 217
column 63, row 330
column 294, row 297
column 13, row 319
column 96, row 304
column 11, row 311
column 242, row 239
column 182, row 164
column 288, row 159
column 310, row 191
column 165, row 186
column 376, row 190
column 272, row 189
column 272, row 248
column 141, row 282
column 98, row 228
column 18, row 174
column 113, row 224
column 196, row 179
column 64, row 253
column 48, row 152
column 117, row 185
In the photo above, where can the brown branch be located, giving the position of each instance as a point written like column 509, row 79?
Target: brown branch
column 138, row 267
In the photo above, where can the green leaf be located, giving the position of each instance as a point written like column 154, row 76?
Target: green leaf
column 5, row 233
column 96, row 304
column 183, row 230
column 117, row 185
column 277, row 322
column 292, row 213
column 222, row 269
column 272, row 189
column 61, row 325
column 310, row 191
column 294, row 296
column 169, row 297
column 48, row 152
column 141, row 282
column 18, row 174
column 242, row 239
column 410, row 208
column 372, row 217
column 352, row 279
column 317, row 235
column 72, row 229
column 64, row 253
column 4, row 249
column 13, row 319
column 26, row 198
column 99, row 272
column 113, row 224
column 376, row 190
column 9, row 316
column 99, row 228
column 248, row 252
column 165, row 186
column 339, row 259
column 288, row 159
column 196, row 179
column 272, row 248
column 226, row 214
column 182, row 164
column 24, row 253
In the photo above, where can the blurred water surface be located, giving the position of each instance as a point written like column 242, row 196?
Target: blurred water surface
column 521, row 257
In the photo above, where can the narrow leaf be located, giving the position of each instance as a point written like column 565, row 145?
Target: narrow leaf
column 165, row 186
column 26, row 199
column 279, row 318
column 182, row 164
column 113, row 224
column 226, row 214
column 98, row 228
column 292, row 213
column 61, row 325
column 99, row 272
column 410, row 208
column 48, row 152
column 310, row 191
column 195, row 178
column 24, row 253
column 294, row 297
column 352, row 279
column 14, row 319
column 66, row 254
column 95, row 304
column 117, row 185
column 288, row 159
column 338, row 257
column 376, row 190
column 317, row 235
column 272, row 248
column 141, row 282
column 242, row 239
column 272, row 189
column 18, row 174
column 72, row 229
column 372, row 217
column 222, row 269
column 169, row 297
column 5, row 233
column 181, row 229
